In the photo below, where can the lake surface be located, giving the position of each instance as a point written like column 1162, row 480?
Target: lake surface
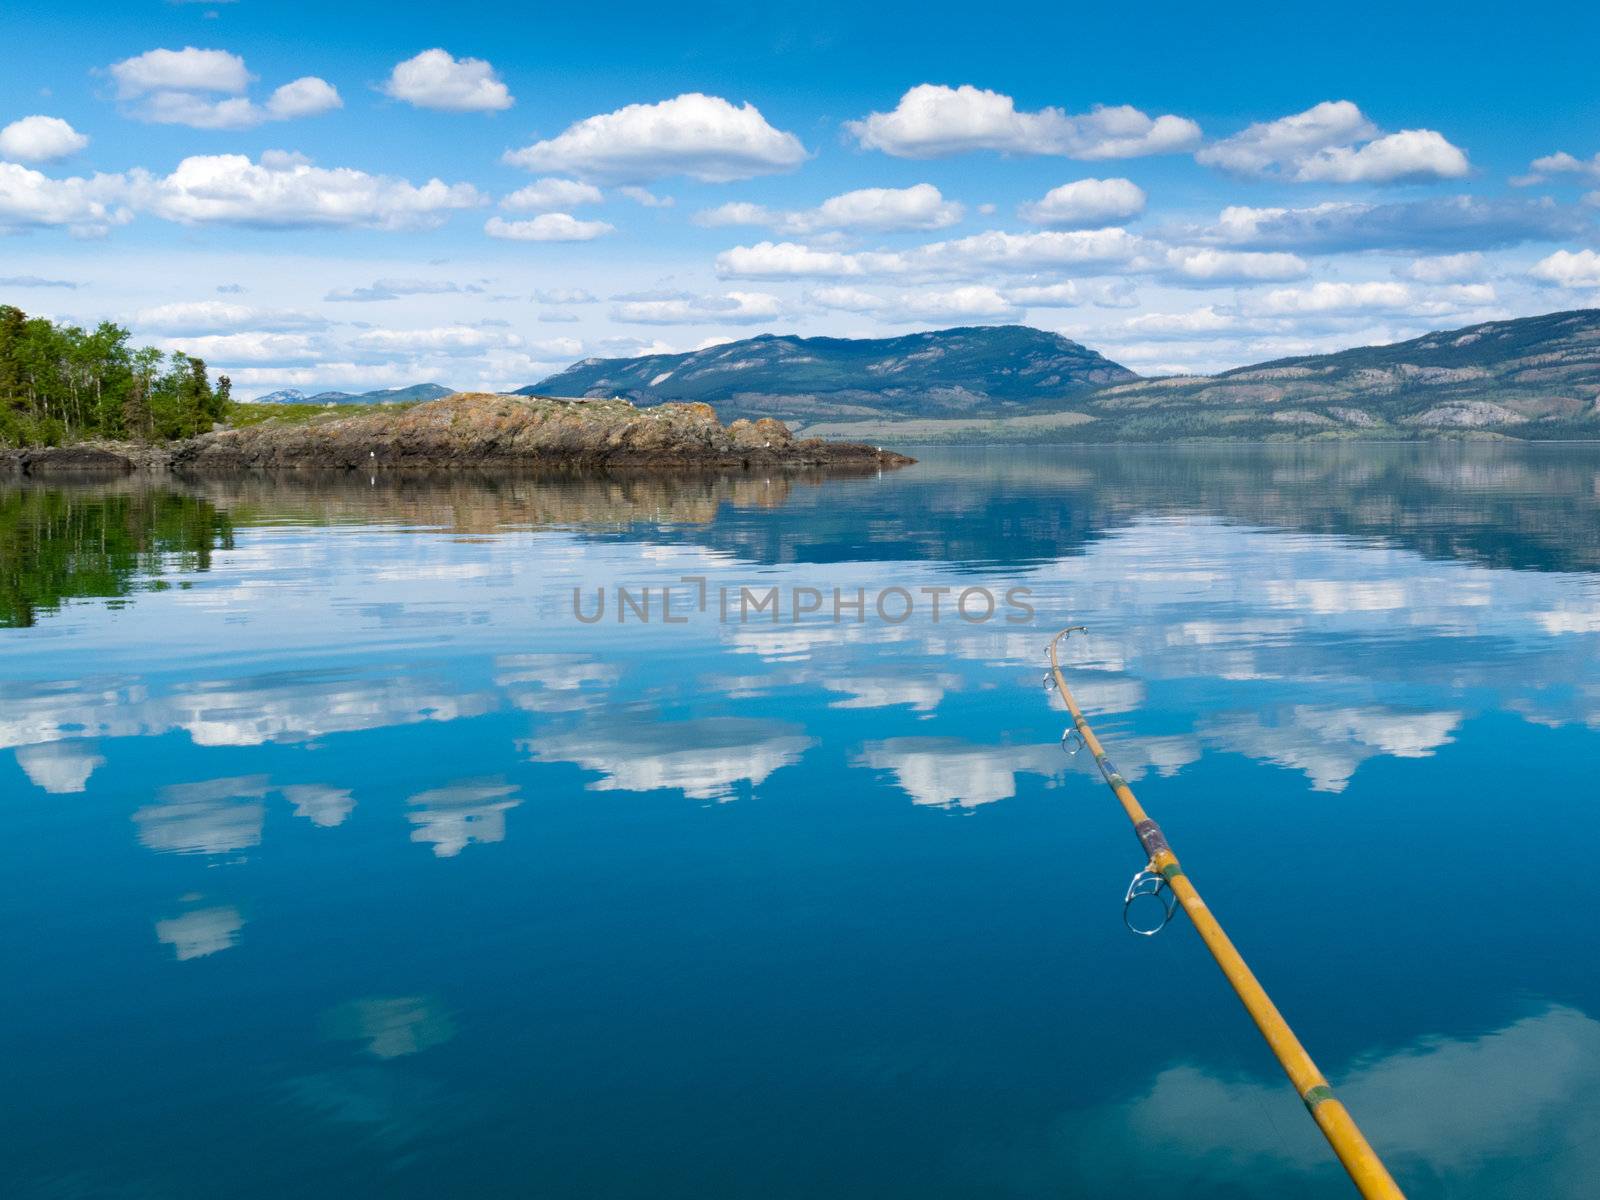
column 341, row 857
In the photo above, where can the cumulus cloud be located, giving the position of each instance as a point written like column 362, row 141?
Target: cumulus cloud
column 181, row 87
column 1560, row 163
column 972, row 303
column 547, row 227
column 1447, row 224
column 991, row 251
column 878, row 210
column 1086, row 204
column 186, row 70
column 979, row 303
column 282, row 349
column 40, row 139
column 1207, row 267
column 646, row 198
column 563, row 296
column 687, row 309
column 303, row 97
column 88, row 207
column 551, row 194
column 284, row 191
column 1568, row 269
column 932, row 120
column 702, row 137
column 437, row 79
column 1447, row 268
column 1334, row 142
column 1102, row 293
column 846, row 299
column 445, row 339
column 1331, row 297
column 214, row 316
column 789, row 260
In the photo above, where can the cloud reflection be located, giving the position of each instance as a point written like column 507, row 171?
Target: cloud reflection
column 468, row 812
column 201, row 931
column 1513, row 1112
column 214, row 817
column 60, row 768
column 949, row 772
column 704, row 759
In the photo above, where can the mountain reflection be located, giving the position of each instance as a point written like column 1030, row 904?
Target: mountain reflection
column 1527, row 507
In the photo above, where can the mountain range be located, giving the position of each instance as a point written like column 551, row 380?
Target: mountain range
column 1533, row 377
column 400, row 395
column 995, row 370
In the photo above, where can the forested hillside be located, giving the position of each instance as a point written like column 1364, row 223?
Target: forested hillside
column 62, row 383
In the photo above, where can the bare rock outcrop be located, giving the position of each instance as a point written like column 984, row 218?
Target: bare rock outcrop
column 478, row 430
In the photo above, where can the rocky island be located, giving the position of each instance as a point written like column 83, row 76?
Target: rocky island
column 484, row 431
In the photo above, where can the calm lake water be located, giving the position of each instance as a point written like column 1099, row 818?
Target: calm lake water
column 340, row 858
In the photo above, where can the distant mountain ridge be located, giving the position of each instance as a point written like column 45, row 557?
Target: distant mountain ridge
column 399, row 395
column 1530, row 377
column 994, row 370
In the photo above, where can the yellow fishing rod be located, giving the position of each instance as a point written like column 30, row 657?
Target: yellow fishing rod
column 1365, row 1168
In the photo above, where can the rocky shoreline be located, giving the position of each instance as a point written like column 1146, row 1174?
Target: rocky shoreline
column 477, row 431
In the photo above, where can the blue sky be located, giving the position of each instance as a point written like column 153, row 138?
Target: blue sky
column 362, row 195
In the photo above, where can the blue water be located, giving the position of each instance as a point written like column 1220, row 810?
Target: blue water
column 340, row 858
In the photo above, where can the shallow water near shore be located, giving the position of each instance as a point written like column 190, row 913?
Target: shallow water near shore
column 343, row 857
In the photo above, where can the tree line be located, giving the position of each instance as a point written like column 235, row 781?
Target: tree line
column 62, row 383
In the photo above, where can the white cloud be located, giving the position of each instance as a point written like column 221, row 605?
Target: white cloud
column 550, row 194
column 1568, row 269
column 393, row 289
column 445, row 339
column 179, row 87
column 1411, row 155
column 879, row 210
column 563, row 296
column 1086, row 204
column 85, row 207
column 1331, row 298
column 732, row 307
column 973, row 302
column 547, row 227
column 248, row 347
column 646, row 198
column 970, row 303
column 286, row 191
column 995, row 250
column 214, row 316
column 846, row 299
column 1206, row 266
column 1560, row 163
column 436, row 79
column 703, row 137
column 1447, row 268
column 1334, row 142
column 933, row 120
column 186, row 70
column 787, row 260
column 1102, row 293
column 304, row 97
column 970, row 256
column 40, row 139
